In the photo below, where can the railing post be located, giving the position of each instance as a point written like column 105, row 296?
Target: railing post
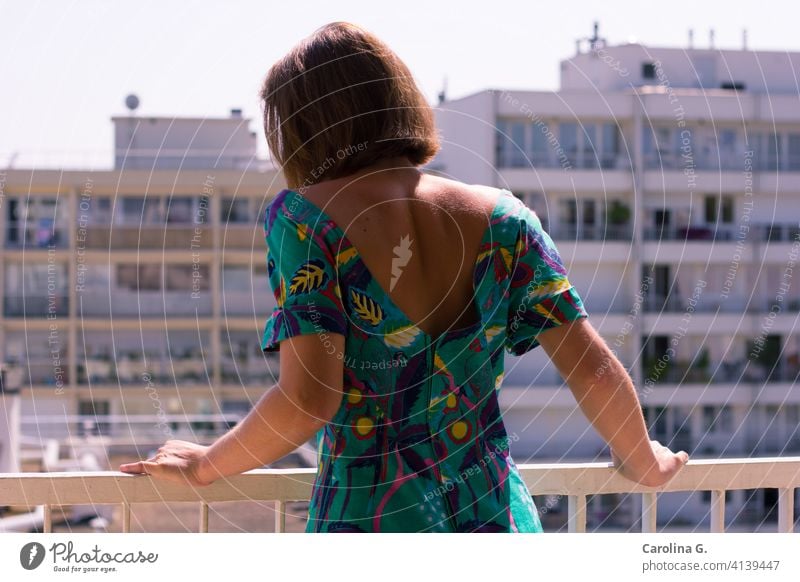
column 47, row 526
column 203, row 517
column 280, row 516
column 649, row 512
column 126, row 517
column 576, row 511
column 718, row 511
column 786, row 510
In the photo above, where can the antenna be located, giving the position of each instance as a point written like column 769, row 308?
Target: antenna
column 691, row 38
column 744, row 39
column 595, row 41
column 443, row 92
column 711, row 38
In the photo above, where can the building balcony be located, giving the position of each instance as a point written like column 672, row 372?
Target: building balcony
column 128, row 370
column 134, row 237
column 45, row 237
column 581, row 484
column 606, row 232
column 143, row 304
column 726, row 372
column 777, row 232
column 35, row 305
column 41, row 370
column 242, row 237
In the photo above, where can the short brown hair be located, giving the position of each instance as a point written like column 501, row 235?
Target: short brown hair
column 341, row 100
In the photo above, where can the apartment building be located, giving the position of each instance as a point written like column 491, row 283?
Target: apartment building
column 669, row 179
column 139, row 289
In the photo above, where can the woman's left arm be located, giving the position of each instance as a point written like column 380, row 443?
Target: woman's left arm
column 306, row 397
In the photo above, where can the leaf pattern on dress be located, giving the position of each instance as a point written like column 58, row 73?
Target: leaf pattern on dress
column 309, row 276
column 402, row 337
column 366, row 307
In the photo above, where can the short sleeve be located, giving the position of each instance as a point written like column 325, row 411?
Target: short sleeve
column 541, row 296
column 303, row 279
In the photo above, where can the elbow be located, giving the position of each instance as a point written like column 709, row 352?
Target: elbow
column 318, row 407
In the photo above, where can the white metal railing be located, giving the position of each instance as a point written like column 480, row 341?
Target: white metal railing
column 574, row 480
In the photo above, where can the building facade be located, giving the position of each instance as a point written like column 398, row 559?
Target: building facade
column 669, row 179
column 140, row 289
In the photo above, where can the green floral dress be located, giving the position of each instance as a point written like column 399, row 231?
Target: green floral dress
column 418, row 443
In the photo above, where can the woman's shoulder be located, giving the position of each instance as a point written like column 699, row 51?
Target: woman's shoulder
column 498, row 202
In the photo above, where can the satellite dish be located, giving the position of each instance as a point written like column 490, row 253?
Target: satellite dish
column 132, row 102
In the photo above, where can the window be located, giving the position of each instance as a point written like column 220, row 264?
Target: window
column 141, row 210
column 518, row 148
column 727, row 140
column 540, row 151
column 717, row 419
column 187, row 278
column 235, row 211
column 718, row 209
column 773, row 151
column 726, row 210
column 711, row 209
column 661, row 220
column 589, row 212
column 568, row 136
column 132, row 277
column 659, row 423
column 648, row 71
column 591, row 148
column 35, row 221
column 794, row 151
column 97, row 211
column 511, row 150
column 502, row 143
column 93, row 409
column 569, row 212
column 180, row 210
column 611, row 145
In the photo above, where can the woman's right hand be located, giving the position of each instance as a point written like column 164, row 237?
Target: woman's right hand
column 663, row 467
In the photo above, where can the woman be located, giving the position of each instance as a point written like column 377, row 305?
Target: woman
column 397, row 293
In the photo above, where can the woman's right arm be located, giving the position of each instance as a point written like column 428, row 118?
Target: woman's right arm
column 606, row 395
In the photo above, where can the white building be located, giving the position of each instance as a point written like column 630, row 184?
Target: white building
column 669, row 179
column 139, row 290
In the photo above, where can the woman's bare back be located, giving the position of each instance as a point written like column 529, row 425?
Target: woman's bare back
column 417, row 234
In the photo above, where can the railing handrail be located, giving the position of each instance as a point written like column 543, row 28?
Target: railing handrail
column 574, row 480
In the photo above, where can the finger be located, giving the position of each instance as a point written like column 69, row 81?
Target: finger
column 145, row 467
column 683, row 455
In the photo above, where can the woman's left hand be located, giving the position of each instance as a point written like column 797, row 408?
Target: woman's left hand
column 176, row 460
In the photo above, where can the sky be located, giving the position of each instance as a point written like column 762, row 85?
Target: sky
column 66, row 66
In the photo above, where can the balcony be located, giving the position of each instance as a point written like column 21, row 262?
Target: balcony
column 125, row 303
column 48, row 492
column 776, row 232
column 244, row 237
column 127, row 370
column 127, row 238
column 607, row 232
column 35, row 237
column 729, row 372
column 35, row 305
